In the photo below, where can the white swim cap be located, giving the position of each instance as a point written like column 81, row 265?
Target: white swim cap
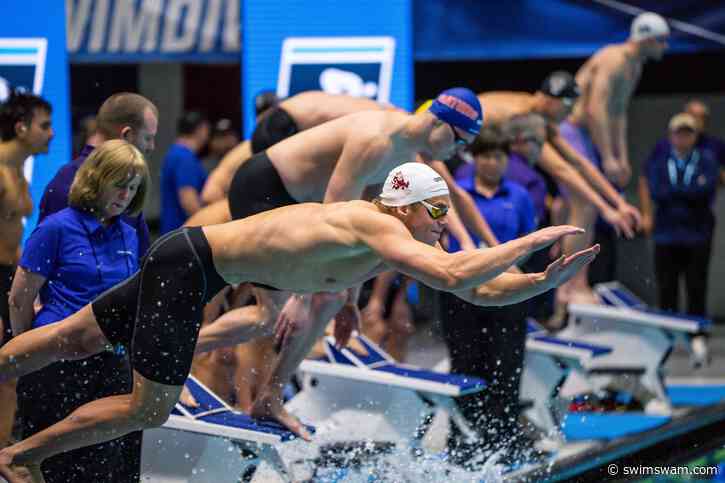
column 410, row 183
column 648, row 25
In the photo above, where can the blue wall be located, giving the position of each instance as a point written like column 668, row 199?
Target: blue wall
column 43, row 19
column 265, row 26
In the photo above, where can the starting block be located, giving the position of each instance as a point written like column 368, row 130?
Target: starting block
column 550, row 362
column 354, row 396
column 641, row 338
column 212, row 442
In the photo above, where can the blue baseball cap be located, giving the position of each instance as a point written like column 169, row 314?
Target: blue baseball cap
column 458, row 107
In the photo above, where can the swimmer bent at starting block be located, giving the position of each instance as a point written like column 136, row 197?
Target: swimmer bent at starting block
column 303, row 248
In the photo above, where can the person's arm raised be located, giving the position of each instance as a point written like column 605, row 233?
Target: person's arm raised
column 392, row 241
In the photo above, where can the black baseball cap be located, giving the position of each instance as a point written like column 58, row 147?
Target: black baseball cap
column 560, row 84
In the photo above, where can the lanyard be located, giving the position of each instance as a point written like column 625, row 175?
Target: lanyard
column 674, row 165
column 95, row 257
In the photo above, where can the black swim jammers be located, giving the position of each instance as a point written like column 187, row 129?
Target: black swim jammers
column 257, row 187
column 157, row 313
column 274, row 126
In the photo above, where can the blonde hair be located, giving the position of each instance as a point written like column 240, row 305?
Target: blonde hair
column 113, row 162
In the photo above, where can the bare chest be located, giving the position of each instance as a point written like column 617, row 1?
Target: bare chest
column 15, row 201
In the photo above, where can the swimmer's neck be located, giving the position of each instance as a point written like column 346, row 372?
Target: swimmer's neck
column 415, row 131
column 633, row 52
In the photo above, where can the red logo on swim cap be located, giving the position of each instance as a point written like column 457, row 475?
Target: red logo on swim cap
column 399, row 182
column 458, row 105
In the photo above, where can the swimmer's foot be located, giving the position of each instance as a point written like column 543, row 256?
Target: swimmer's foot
column 271, row 407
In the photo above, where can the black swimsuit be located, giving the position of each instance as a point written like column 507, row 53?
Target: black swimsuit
column 157, row 313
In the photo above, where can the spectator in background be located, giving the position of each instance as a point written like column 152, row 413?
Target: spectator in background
column 680, row 182
column 699, row 110
column 489, row 342
column 126, row 116
column 182, row 173
column 527, row 135
column 222, row 140
column 25, row 130
column 86, row 128
column 70, row 258
column 133, row 118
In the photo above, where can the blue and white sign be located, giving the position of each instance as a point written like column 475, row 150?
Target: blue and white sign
column 293, row 46
column 33, row 57
column 356, row 66
column 153, row 30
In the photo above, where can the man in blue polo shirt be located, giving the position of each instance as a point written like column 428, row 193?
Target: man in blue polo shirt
column 126, row 116
column 495, row 353
column 183, row 174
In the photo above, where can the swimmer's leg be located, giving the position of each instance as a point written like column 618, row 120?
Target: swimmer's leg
column 269, row 404
column 245, row 323
column 584, row 215
column 76, row 337
column 148, row 406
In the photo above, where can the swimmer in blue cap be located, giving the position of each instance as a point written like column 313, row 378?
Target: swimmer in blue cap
column 458, row 107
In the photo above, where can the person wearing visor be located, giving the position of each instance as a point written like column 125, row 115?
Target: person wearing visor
column 157, row 312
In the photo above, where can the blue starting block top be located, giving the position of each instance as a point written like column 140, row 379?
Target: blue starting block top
column 595, row 350
column 616, row 295
column 213, row 410
column 377, row 366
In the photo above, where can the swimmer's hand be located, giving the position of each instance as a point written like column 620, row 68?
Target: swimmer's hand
column 347, row 322
column 293, row 318
column 621, row 224
column 632, row 214
column 187, row 399
column 29, row 473
column 564, row 268
column 545, row 237
column 617, row 171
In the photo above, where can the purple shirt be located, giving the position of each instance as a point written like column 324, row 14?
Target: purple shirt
column 520, row 171
column 55, row 198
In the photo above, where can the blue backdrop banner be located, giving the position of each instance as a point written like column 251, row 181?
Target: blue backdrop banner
column 153, row 30
column 339, row 47
column 33, row 57
column 519, row 29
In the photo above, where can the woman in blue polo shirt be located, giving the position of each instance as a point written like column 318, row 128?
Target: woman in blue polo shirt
column 681, row 179
column 70, row 258
column 489, row 342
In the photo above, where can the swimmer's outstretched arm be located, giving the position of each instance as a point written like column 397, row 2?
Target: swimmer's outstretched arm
column 510, row 288
column 451, row 272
